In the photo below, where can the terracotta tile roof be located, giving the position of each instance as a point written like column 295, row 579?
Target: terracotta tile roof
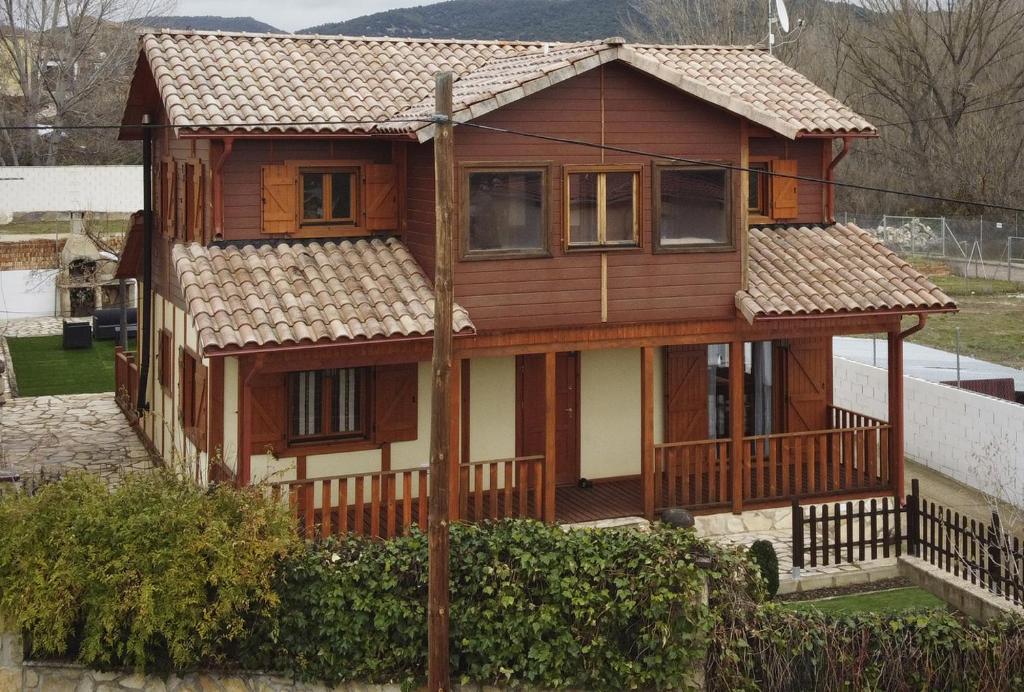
column 305, row 292
column 257, row 81
column 839, row 269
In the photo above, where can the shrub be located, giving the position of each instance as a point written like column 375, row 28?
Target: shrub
column 154, row 574
column 531, row 605
column 781, row 649
column 762, row 552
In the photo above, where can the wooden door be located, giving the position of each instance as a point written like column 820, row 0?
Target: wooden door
column 807, row 372
column 530, row 412
column 686, row 393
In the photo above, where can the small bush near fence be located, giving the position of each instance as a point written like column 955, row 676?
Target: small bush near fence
column 776, row 649
column 531, row 605
column 157, row 574
column 762, row 552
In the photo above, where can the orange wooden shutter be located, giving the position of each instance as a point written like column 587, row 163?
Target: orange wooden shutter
column 686, row 393
column 195, row 232
column 394, row 402
column 168, row 197
column 807, row 366
column 279, row 196
column 200, row 408
column 784, row 190
column 179, row 190
column 268, row 412
column 381, row 197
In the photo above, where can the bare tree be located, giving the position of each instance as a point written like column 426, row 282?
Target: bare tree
column 69, row 63
column 937, row 74
column 728, row 22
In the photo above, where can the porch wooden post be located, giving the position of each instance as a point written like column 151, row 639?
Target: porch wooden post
column 245, row 371
column 550, row 449
column 895, row 344
column 647, row 429
column 736, row 410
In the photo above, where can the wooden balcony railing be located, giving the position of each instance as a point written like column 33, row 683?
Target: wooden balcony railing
column 126, row 380
column 381, row 504
column 502, row 488
column 852, row 457
column 692, row 474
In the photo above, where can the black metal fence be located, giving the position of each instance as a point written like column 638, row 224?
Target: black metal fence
column 986, row 555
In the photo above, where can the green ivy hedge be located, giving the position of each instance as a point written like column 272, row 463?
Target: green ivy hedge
column 531, row 605
column 156, row 574
column 775, row 649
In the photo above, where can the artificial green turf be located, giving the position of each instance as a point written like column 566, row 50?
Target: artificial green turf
column 42, row 367
column 888, row 601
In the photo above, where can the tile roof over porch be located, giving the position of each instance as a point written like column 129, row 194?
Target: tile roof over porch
column 281, row 293
column 840, row 269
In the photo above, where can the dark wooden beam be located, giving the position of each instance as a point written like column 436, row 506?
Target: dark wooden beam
column 896, row 462
column 550, row 442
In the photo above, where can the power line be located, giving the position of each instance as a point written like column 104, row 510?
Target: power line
column 215, row 126
column 981, row 109
column 737, row 167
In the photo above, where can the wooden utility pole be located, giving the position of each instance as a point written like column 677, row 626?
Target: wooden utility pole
column 440, row 400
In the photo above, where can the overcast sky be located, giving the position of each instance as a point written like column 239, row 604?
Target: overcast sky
column 292, row 14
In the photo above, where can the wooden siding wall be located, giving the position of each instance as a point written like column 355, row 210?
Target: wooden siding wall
column 619, row 106
column 242, row 192
column 419, row 227
column 812, row 157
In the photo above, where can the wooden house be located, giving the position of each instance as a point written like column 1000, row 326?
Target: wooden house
column 632, row 332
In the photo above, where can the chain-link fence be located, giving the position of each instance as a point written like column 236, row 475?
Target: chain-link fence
column 973, row 246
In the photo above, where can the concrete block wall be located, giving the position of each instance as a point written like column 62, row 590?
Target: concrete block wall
column 972, row 438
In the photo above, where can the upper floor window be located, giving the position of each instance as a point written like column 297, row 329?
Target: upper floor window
column 602, row 208
column 327, row 404
column 504, row 212
column 693, row 208
column 328, row 196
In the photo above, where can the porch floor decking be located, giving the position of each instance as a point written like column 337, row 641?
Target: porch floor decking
column 604, row 500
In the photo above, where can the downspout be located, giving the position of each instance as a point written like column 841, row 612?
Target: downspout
column 218, row 187
column 147, row 262
column 830, row 190
column 910, row 331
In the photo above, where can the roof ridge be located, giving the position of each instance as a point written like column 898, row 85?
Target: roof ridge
column 347, row 37
column 704, row 46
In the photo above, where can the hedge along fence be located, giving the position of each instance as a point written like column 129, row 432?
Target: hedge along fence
column 531, row 605
column 159, row 575
column 774, row 649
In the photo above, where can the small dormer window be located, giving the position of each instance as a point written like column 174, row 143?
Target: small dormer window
column 328, row 196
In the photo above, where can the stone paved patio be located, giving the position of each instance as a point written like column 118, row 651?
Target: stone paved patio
column 32, row 326
column 52, row 434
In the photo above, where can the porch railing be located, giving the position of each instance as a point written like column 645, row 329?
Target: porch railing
column 126, row 380
column 852, row 456
column 692, row 474
column 502, row 488
column 381, row 504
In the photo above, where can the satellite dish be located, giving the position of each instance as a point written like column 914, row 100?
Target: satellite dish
column 783, row 16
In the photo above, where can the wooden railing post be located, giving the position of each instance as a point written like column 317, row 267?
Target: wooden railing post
column 736, row 422
column 798, row 538
column 647, row 429
column 913, row 519
column 995, row 536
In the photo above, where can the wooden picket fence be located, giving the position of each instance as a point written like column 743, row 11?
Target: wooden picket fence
column 985, row 555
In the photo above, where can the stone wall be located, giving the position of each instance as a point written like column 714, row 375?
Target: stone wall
column 969, row 437
column 30, row 254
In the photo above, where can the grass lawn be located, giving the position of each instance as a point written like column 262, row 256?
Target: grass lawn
column 888, row 601
column 42, row 367
column 991, row 317
column 102, row 226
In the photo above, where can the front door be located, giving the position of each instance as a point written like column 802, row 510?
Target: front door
column 530, row 412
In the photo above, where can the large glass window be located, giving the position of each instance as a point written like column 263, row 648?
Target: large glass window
column 693, row 208
column 327, row 404
column 328, row 196
column 505, row 212
column 602, row 208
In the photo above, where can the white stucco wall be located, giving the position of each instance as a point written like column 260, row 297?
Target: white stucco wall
column 610, row 413
column 28, row 293
column 975, row 439
column 492, row 408
column 71, row 188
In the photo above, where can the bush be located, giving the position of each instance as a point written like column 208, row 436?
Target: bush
column 780, row 649
column 531, row 605
column 155, row 574
column 762, row 552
